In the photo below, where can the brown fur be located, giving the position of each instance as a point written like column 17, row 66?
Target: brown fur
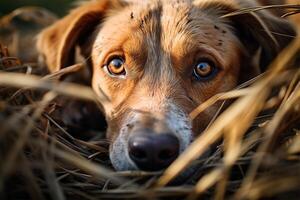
column 19, row 28
column 161, row 42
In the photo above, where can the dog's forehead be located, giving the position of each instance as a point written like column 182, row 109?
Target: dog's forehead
column 144, row 13
column 161, row 20
column 177, row 28
column 155, row 1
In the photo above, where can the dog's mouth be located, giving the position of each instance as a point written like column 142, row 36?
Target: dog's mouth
column 150, row 143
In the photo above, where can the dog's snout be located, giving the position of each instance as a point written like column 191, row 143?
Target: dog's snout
column 153, row 152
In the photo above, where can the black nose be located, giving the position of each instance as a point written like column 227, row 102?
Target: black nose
column 153, row 152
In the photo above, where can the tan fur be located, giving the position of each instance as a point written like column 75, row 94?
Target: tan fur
column 161, row 42
column 19, row 28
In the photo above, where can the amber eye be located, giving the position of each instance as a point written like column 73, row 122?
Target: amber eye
column 115, row 67
column 204, row 70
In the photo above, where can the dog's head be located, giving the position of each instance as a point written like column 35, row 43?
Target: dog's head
column 157, row 60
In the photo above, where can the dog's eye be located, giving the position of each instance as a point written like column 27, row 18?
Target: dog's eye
column 204, row 70
column 116, row 67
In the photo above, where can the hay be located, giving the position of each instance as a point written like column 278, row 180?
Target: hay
column 258, row 158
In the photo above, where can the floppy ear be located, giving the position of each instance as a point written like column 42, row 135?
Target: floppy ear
column 257, row 30
column 57, row 43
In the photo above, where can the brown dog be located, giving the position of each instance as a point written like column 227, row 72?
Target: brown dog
column 19, row 28
column 157, row 60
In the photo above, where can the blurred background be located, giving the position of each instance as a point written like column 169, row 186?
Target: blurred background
column 57, row 6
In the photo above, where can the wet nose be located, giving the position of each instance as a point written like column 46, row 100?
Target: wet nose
column 153, row 152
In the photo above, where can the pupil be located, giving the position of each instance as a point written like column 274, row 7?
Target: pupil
column 117, row 63
column 203, row 66
column 204, row 70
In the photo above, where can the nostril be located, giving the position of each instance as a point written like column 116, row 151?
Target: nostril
column 139, row 149
column 138, row 153
column 153, row 151
column 166, row 154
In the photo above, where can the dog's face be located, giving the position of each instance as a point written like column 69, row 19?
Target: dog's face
column 156, row 61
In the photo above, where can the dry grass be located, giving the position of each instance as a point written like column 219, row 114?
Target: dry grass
column 258, row 157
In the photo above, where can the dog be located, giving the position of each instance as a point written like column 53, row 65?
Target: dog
column 19, row 28
column 157, row 60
